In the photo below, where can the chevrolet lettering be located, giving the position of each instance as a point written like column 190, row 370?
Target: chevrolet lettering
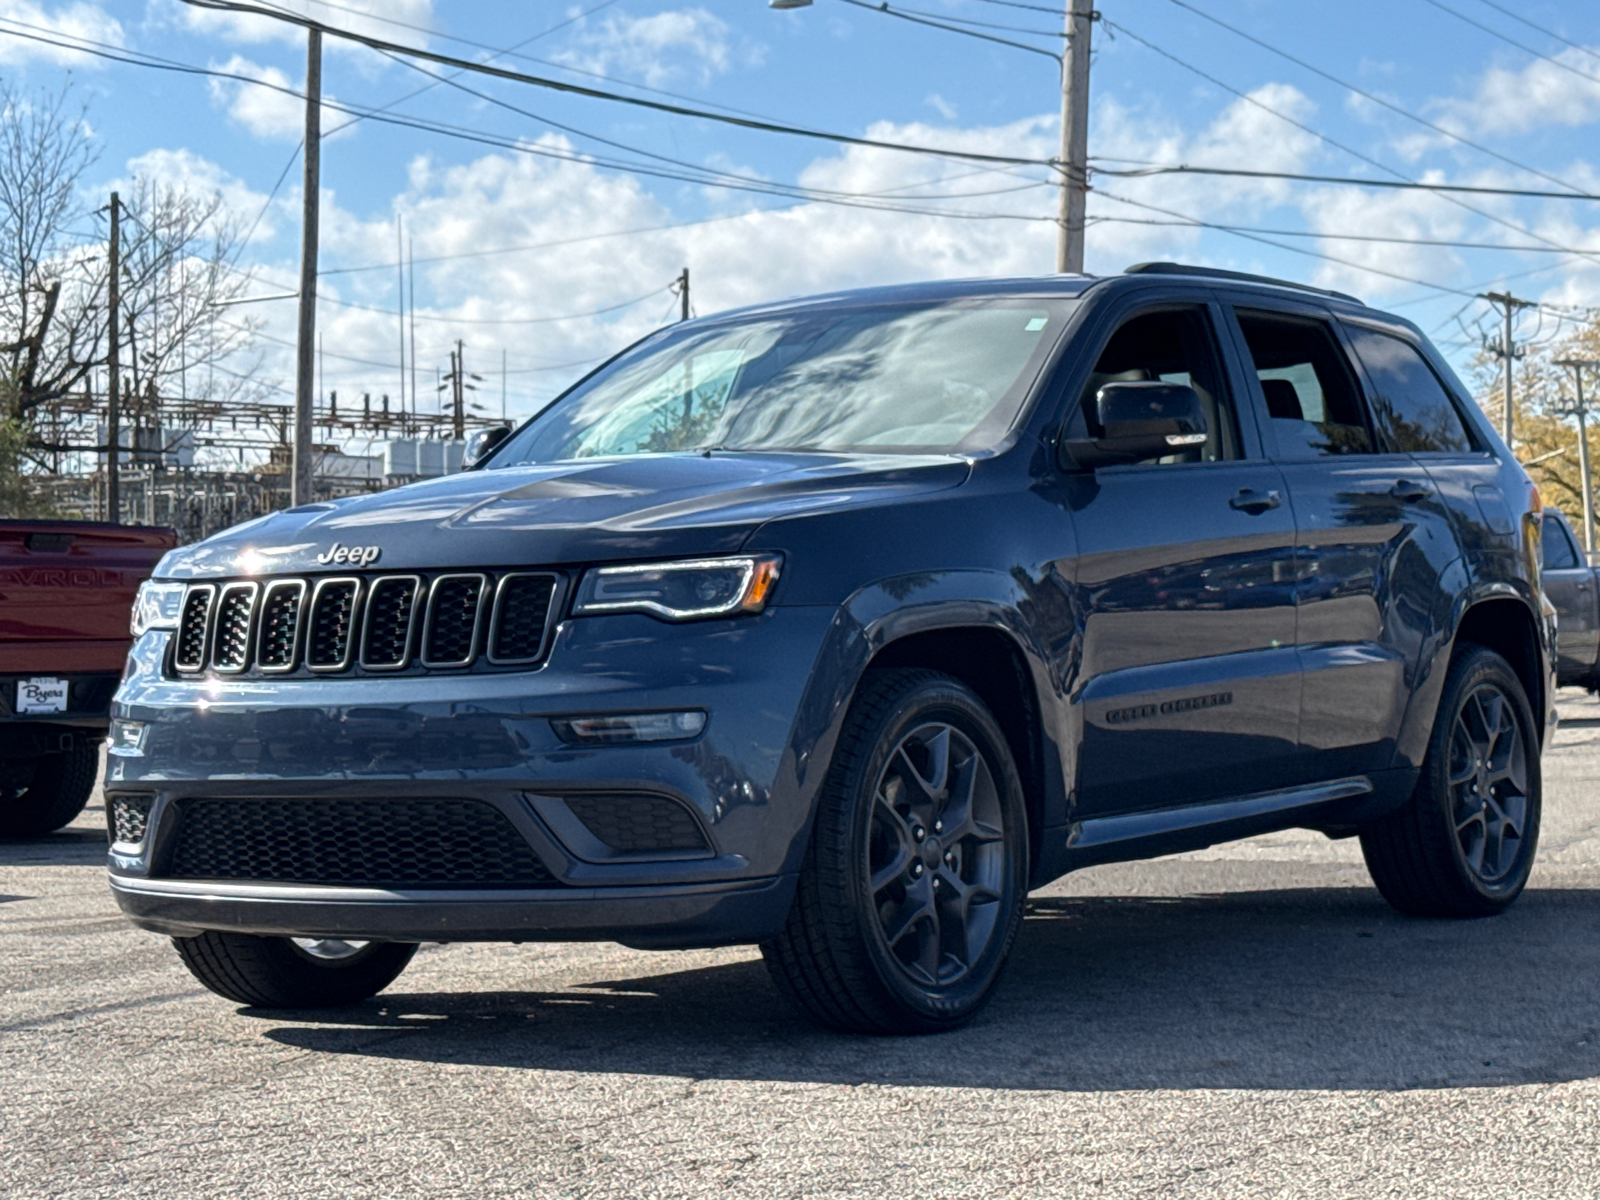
column 834, row 626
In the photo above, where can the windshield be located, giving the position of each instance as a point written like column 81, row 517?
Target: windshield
column 927, row 378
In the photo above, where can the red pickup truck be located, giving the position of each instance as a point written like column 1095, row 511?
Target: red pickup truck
column 66, row 594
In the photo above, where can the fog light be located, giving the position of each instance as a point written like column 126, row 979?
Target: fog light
column 635, row 727
column 126, row 738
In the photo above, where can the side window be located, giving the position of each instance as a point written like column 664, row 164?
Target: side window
column 1410, row 407
column 1559, row 552
column 1311, row 397
column 1174, row 346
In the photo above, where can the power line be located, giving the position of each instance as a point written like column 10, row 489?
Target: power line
column 1362, row 92
column 906, row 14
column 1511, row 41
column 1399, row 184
column 1357, row 237
column 761, row 126
column 1515, row 16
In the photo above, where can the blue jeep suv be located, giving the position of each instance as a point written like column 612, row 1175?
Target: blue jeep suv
column 837, row 625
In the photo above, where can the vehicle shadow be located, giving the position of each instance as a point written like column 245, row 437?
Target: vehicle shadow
column 1293, row 989
column 78, row 845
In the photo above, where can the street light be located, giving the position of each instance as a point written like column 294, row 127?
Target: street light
column 788, row 3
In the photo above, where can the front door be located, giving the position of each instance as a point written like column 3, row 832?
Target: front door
column 1375, row 547
column 1189, row 687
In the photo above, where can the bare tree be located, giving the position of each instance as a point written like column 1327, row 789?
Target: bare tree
column 50, row 332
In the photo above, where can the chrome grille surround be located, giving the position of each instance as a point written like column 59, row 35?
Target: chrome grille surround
column 377, row 623
column 233, row 627
column 283, row 610
column 506, row 626
column 455, row 629
column 194, row 628
column 396, row 626
column 331, row 623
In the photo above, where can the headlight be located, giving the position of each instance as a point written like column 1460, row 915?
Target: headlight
column 681, row 591
column 158, row 606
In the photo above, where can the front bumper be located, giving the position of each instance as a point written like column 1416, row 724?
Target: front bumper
column 701, row 914
column 749, row 780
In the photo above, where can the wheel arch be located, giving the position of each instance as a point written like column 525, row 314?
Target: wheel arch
column 1504, row 624
column 993, row 664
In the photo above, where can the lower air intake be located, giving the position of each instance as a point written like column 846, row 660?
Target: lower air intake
column 128, row 817
column 370, row 843
column 638, row 824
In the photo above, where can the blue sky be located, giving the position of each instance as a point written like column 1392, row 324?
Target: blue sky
column 471, row 210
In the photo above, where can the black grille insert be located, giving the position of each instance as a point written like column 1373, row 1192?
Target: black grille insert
column 127, row 818
column 371, row 843
column 189, row 654
column 235, row 621
column 386, row 637
column 280, row 624
column 333, row 611
column 638, row 824
column 452, row 633
column 521, row 614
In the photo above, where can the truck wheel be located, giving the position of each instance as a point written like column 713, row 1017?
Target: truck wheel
column 39, row 801
column 1463, row 845
column 913, row 884
column 280, row 972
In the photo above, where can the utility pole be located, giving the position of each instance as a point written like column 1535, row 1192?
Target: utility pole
column 113, row 380
column 683, row 293
column 400, row 293
column 300, row 481
column 458, row 371
column 1582, row 413
column 1074, row 137
column 1507, row 349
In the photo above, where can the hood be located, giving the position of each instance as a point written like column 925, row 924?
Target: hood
column 605, row 510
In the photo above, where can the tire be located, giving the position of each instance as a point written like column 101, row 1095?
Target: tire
column 898, row 924
column 280, row 972
column 40, row 801
column 1464, row 844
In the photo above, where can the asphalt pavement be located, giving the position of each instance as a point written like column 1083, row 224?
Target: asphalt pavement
column 1251, row 1020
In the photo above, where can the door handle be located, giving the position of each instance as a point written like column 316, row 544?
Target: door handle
column 1410, row 492
column 1251, row 501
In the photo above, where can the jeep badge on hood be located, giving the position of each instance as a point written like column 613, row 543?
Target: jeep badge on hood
column 356, row 556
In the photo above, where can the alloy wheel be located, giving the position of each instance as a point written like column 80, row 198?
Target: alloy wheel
column 1488, row 783
column 936, row 855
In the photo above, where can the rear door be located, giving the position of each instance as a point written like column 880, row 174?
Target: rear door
column 1374, row 545
column 1188, row 687
column 1569, row 583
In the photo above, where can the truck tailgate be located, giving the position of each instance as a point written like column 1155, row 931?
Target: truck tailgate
column 66, row 592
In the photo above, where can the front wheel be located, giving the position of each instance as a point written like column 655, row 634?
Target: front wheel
column 1463, row 845
column 913, row 885
column 280, row 972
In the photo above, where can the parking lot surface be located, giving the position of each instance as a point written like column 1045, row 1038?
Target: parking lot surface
column 1251, row 1020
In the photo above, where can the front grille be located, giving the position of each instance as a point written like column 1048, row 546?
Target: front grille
column 189, row 654
column 386, row 638
column 370, row 623
column 637, row 824
column 235, row 622
column 521, row 615
column 451, row 634
column 127, row 818
column 333, row 612
column 369, row 843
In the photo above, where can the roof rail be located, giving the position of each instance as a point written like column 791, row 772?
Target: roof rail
column 1169, row 268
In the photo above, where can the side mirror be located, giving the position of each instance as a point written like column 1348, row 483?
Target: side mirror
column 1140, row 420
column 481, row 444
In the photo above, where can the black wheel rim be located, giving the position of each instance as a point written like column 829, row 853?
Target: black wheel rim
column 936, row 855
column 1488, row 783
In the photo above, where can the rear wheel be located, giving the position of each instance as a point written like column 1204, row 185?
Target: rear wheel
column 1464, row 844
column 913, row 885
column 280, row 972
column 40, row 795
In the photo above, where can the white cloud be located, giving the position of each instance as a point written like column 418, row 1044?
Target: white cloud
column 687, row 43
column 1538, row 96
column 79, row 20
column 400, row 21
column 186, row 171
column 941, row 106
column 270, row 109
